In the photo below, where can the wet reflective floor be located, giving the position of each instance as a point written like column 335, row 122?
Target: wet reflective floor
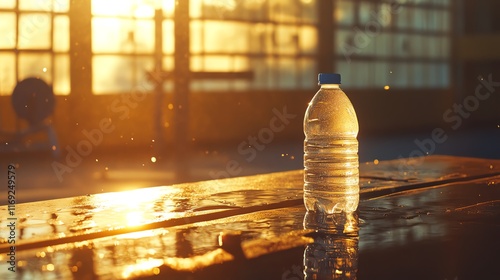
column 431, row 219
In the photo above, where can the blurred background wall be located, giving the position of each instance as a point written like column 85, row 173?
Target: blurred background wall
column 207, row 72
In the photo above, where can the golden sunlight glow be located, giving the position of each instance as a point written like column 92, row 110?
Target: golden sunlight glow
column 131, row 199
column 144, row 11
column 227, row 4
column 48, row 267
column 168, row 6
column 143, row 234
column 142, row 266
column 134, row 218
column 135, row 207
column 136, row 8
column 111, row 7
column 216, row 256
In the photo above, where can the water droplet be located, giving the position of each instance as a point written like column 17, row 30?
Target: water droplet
column 153, row 159
column 96, row 160
column 156, row 271
column 132, row 138
column 386, row 87
column 54, row 148
column 491, row 166
column 390, row 72
column 153, row 140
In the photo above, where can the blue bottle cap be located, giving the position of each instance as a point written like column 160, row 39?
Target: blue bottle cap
column 328, row 78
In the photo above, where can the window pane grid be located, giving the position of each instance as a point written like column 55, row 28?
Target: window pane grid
column 34, row 33
column 123, row 42
column 278, row 39
column 405, row 48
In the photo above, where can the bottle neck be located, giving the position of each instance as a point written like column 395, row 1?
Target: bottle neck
column 330, row 86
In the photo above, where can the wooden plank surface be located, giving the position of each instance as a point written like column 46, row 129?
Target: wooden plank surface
column 174, row 227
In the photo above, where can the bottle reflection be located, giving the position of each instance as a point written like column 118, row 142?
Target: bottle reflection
column 81, row 263
column 334, row 252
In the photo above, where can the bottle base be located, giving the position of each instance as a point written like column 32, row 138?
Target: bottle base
column 331, row 204
column 345, row 223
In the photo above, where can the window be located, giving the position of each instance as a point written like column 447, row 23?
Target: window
column 274, row 39
column 123, row 42
column 35, row 43
column 379, row 44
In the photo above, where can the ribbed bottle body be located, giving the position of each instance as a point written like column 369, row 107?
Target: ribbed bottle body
column 331, row 175
column 331, row 166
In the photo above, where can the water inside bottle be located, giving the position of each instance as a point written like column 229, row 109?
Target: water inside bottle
column 331, row 175
column 331, row 166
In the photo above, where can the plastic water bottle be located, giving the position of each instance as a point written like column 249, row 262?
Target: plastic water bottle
column 331, row 167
